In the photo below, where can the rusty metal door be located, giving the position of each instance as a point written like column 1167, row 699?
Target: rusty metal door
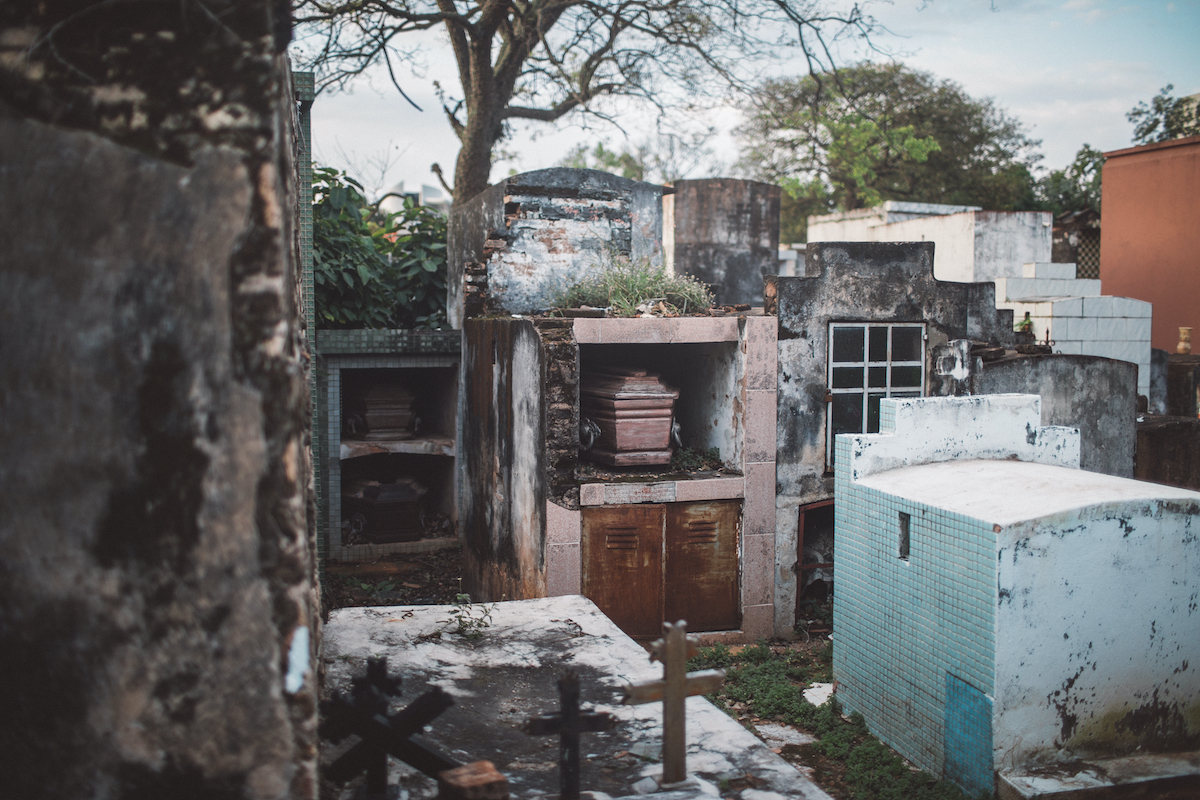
column 701, row 574
column 622, row 565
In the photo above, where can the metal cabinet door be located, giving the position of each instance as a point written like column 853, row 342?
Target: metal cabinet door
column 701, row 580
column 622, row 565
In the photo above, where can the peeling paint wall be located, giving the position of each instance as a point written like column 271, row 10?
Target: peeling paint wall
column 1096, row 395
column 1006, row 240
column 502, row 503
column 999, row 608
column 1098, row 633
column 725, row 232
column 514, row 247
column 867, row 282
column 157, row 606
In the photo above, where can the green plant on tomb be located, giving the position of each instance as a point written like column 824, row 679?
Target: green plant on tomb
column 469, row 619
column 622, row 285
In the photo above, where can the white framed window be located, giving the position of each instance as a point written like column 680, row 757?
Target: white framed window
column 869, row 361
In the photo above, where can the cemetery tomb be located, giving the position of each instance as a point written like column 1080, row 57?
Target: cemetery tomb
column 514, row 708
column 542, row 514
column 1006, row 619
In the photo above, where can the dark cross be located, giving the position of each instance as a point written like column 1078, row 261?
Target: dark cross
column 673, row 650
column 380, row 733
column 568, row 724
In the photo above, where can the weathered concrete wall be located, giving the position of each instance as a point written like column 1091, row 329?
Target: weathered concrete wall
column 1096, row 395
column 156, row 609
column 1006, row 240
column 925, row 430
column 868, row 282
column 502, row 506
column 725, row 233
column 1067, row 679
column 953, row 235
column 972, row 245
column 1168, row 451
column 514, row 247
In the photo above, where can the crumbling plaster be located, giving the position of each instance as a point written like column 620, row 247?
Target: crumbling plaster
column 862, row 282
column 516, row 246
column 158, row 609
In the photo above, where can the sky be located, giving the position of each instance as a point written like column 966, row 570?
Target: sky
column 1068, row 69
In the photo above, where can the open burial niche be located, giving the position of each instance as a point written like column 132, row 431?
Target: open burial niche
column 397, row 448
column 644, row 401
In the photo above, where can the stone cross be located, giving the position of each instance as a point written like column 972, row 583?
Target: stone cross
column 568, row 724
column 673, row 650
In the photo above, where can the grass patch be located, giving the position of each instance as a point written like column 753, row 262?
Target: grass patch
column 622, row 285
column 687, row 459
column 766, row 682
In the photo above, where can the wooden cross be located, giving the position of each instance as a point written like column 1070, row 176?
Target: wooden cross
column 568, row 724
column 673, row 650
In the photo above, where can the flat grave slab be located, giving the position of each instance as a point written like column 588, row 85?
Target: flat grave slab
column 510, row 674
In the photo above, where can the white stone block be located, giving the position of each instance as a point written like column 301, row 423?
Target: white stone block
column 1064, row 328
column 1139, row 329
column 1108, row 329
column 1107, row 306
column 1068, row 347
column 1088, row 328
column 1068, row 307
column 1046, row 269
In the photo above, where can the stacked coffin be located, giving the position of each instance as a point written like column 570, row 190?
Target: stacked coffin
column 384, row 512
column 633, row 410
column 389, row 413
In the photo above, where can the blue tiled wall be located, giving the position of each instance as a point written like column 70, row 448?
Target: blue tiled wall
column 902, row 626
column 968, row 736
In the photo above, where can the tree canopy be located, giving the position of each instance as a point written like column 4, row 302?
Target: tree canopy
column 1075, row 187
column 1166, row 117
column 875, row 132
column 543, row 59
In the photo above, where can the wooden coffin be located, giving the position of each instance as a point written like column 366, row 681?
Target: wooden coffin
column 385, row 512
column 633, row 410
column 389, row 413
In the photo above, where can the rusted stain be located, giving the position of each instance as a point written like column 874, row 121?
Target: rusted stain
column 502, row 513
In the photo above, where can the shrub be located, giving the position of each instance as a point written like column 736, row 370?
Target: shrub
column 371, row 271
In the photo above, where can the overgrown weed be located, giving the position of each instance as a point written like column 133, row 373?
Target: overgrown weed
column 622, row 285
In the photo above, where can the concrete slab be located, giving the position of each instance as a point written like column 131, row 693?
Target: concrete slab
column 1166, row 776
column 510, row 674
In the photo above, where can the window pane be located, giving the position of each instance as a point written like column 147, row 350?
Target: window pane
column 906, row 376
column 876, row 377
column 906, row 394
column 848, row 344
column 906, row 344
column 878, row 341
column 847, row 413
column 847, row 377
column 873, row 413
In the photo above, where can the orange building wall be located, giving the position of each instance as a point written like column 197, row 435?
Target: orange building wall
column 1150, row 233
